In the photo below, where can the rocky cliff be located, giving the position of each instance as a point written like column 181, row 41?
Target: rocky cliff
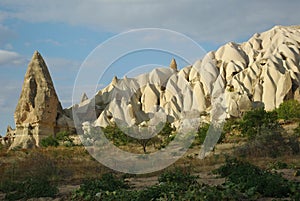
column 263, row 71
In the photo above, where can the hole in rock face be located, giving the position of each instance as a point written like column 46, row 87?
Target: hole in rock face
column 263, row 62
column 33, row 91
column 234, row 73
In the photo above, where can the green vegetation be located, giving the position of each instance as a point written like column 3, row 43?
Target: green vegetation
column 277, row 165
column 257, row 134
column 49, row 141
column 116, row 135
column 92, row 189
column 244, row 181
column 255, row 121
column 29, row 188
column 65, row 138
column 201, row 134
column 30, row 178
column 289, row 110
column 297, row 131
column 255, row 182
column 175, row 185
column 119, row 138
column 270, row 143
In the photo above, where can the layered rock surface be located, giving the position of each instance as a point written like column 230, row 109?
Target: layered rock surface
column 262, row 71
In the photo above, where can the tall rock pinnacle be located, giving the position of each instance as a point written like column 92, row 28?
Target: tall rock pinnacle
column 38, row 107
column 173, row 64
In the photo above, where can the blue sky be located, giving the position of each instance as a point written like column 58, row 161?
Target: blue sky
column 65, row 32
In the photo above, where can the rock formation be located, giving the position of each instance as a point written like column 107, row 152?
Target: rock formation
column 38, row 113
column 84, row 97
column 263, row 71
column 9, row 136
column 173, row 64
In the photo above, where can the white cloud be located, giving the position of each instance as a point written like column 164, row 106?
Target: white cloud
column 203, row 20
column 10, row 58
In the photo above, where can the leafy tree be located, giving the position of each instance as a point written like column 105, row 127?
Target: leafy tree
column 116, row 135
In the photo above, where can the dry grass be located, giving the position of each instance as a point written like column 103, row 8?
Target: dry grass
column 71, row 165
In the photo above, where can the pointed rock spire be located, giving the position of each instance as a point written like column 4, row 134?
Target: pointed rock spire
column 114, row 80
column 84, row 97
column 38, row 106
column 173, row 64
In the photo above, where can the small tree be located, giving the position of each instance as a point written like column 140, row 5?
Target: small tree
column 163, row 136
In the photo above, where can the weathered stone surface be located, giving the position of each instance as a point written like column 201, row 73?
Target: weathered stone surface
column 173, row 64
column 262, row 71
column 84, row 97
column 9, row 136
column 38, row 108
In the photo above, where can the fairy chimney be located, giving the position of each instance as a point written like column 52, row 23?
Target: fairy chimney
column 38, row 108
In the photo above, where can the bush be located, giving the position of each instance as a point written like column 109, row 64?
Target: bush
column 174, row 185
column 254, row 121
column 270, row 143
column 179, row 176
column 250, row 179
column 167, row 130
column 277, row 165
column 289, row 110
column 64, row 137
column 49, row 141
column 31, row 188
column 107, row 183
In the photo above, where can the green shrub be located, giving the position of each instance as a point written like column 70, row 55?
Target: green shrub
column 243, row 182
column 289, row 110
column 107, row 183
column 270, row 143
column 277, row 165
column 31, row 188
column 49, row 141
column 64, row 137
column 179, row 176
column 167, row 129
column 254, row 121
column 250, row 179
